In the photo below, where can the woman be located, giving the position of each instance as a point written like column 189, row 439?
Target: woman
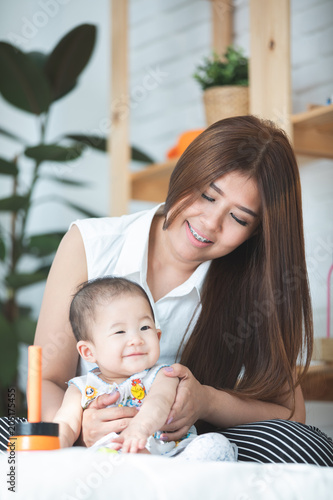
column 223, row 263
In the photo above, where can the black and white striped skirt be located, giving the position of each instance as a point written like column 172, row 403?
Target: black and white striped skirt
column 281, row 441
column 269, row 441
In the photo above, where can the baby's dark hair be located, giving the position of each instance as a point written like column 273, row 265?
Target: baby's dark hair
column 94, row 292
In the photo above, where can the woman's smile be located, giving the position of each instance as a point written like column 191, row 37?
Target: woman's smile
column 195, row 237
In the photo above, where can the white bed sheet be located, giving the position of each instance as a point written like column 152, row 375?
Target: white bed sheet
column 80, row 473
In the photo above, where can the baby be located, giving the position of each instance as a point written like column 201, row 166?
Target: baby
column 113, row 323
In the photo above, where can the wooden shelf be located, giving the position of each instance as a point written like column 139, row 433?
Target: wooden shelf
column 313, row 132
column 151, row 184
column 323, row 350
column 318, row 383
column 313, row 136
column 270, row 89
column 321, row 116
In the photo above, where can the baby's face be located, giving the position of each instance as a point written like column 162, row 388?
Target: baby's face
column 125, row 338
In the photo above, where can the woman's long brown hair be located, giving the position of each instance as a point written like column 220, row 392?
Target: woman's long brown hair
column 255, row 324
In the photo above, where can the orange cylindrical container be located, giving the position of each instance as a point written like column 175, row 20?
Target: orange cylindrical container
column 34, row 387
column 34, row 436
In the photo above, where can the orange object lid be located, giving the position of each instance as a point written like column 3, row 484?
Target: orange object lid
column 184, row 141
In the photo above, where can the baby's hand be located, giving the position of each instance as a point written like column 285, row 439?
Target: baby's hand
column 133, row 439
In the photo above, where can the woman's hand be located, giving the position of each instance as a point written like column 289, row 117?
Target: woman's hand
column 98, row 420
column 189, row 405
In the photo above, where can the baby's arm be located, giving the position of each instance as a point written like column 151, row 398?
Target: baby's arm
column 152, row 415
column 69, row 417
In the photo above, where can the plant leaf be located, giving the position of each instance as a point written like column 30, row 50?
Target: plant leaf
column 22, row 83
column 63, row 180
column 82, row 210
column 2, row 249
column 9, row 345
column 25, row 328
column 53, row 152
column 11, row 135
column 93, row 141
column 13, row 203
column 8, row 167
column 138, row 155
column 69, row 58
column 100, row 143
column 43, row 245
column 39, row 58
column 231, row 69
column 20, row 280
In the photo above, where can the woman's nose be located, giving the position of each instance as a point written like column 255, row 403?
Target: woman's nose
column 213, row 220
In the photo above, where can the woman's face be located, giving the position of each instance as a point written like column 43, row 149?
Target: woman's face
column 226, row 214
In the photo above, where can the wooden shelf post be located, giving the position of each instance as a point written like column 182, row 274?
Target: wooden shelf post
column 119, row 135
column 270, row 79
column 222, row 11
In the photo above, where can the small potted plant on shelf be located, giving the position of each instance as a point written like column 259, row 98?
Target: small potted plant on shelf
column 224, row 81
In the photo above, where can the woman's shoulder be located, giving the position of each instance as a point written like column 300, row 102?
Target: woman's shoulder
column 104, row 239
column 112, row 228
column 105, row 225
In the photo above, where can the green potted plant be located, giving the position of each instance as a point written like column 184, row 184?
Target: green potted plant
column 224, row 81
column 33, row 83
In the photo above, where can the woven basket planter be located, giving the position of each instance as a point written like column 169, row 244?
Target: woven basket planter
column 225, row 101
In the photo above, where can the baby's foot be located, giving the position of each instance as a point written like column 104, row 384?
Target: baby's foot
column 210, row 447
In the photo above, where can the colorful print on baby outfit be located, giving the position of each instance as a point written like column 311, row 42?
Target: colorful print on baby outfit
column 90, row 392
column 131, row 392
column 138, row 390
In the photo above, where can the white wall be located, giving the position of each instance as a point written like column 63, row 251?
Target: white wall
column 171, row 37
column 167, row 40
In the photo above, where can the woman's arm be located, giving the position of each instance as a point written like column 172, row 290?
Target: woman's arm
column 69, row 417
column 236, row 410
column 54, row 333
column 152, row 416
column 199, row 402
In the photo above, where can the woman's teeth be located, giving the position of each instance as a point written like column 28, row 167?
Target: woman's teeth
column 197, row 236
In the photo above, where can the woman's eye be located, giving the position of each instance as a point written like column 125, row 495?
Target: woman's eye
column 146, row 327
column 242, row 222
column 208, row 198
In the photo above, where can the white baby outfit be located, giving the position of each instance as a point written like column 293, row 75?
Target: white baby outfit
column 207, row 447
column 131, row 392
